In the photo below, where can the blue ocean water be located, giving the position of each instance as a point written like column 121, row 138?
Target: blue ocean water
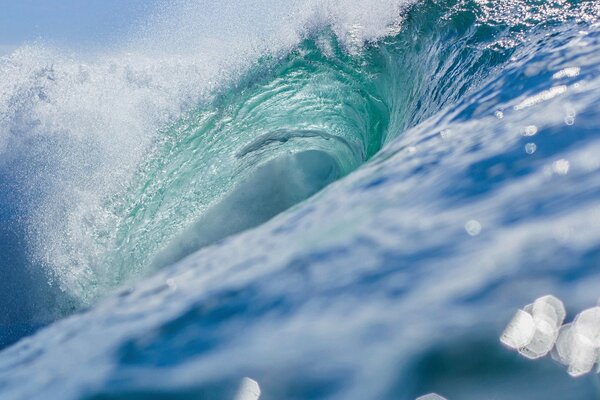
column 340, row 201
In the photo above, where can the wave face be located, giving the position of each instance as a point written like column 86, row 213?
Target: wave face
column 340, row 200
column 139, row 154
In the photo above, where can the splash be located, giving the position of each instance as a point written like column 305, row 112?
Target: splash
column 80, row 132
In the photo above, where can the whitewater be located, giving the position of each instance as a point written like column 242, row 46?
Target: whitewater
column 337, row 199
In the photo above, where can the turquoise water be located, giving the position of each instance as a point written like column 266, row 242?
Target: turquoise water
column 350, row 206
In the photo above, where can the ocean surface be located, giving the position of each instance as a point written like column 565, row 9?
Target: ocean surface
column 339, row 199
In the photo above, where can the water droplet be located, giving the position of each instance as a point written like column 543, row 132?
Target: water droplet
column 587, row 324
column 543, row 339
column 575, row 351
column 530, row 130
column 530, row 148
column 519, row 331
column 473, row 227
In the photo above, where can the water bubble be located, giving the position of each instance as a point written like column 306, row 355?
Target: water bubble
column 587, row 324
column 530, row 130
column 578, row 344
column 499, row 114
column 534, row 330
column 473, row 227
column 543, row 339
column 561, row 352
column 551, row 307
column 569, row 120
column 530, row 148
column 575, row 351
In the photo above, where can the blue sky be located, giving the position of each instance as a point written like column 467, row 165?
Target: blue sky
column 68, row 22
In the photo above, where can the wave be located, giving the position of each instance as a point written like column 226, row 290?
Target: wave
column 129, row 160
